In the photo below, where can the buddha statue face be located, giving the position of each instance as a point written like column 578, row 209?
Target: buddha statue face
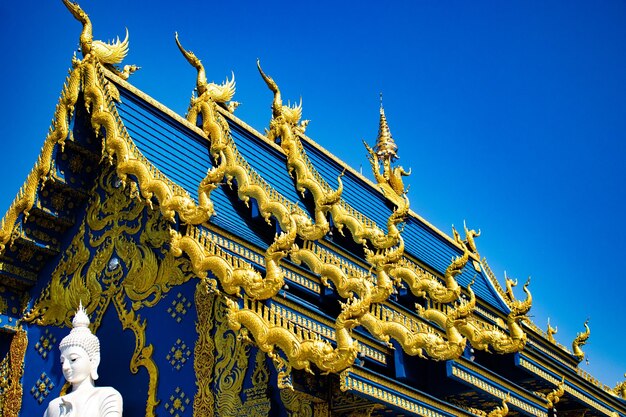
column 80, row 351
column 77, row 366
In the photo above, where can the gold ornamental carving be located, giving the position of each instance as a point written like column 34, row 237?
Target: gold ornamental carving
column 204, row 357
column 12, row 389
column 285, row 126
column 579, row 341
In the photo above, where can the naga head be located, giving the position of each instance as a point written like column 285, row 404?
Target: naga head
column 521, row 307
column 86, row 37
column 291, row 114
column 464, row 308
column 201, row 82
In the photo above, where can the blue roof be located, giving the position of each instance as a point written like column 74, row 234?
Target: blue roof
column 183, row 156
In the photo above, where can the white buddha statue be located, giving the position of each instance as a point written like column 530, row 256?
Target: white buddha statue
column 80, row 357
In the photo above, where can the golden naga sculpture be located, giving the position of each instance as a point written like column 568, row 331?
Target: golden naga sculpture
column 385, row 152
column 232, row 165
column 509, row 284
column 503, row 410
column 620, row 389
column 423, row 285
column 208, row 92
column 579, row 341
column 487, row 339
column 417, row 339
column 284, row 126
column 550, row 332
column 107, row 54
column 86, row 76
column 301, row 348
column 555, row 395
column 234, row 273
column 468, row 242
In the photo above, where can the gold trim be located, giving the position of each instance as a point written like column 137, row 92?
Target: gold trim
column 204, row 358
column 368, row 387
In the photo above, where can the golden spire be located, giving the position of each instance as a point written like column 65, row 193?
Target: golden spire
column 385, row 147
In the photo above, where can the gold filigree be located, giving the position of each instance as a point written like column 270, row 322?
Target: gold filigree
column 204, row 358
column 258, row 402
column 580, row 340
column 231, row 363
column 12, row 396
column 122, row 265
column 142, row 355
column 296, row 403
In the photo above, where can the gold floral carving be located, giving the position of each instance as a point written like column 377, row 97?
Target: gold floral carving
column 297, row 403
column 11, row 399
column 204, row 358
column 257, row 402
column 231, row 362
column 580, row 339
column 142, row 355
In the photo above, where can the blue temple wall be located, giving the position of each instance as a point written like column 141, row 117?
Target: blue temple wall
column 160, row 321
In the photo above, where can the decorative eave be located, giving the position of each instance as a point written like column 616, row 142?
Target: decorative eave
column 579, row 386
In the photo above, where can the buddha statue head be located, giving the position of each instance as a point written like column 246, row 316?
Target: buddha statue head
column 80, row 351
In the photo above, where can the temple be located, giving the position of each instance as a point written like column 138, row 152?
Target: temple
column 232, row 272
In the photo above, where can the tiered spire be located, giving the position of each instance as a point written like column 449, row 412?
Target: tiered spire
column 385, row 147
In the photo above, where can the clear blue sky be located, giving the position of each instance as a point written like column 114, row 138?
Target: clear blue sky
column 511, row 115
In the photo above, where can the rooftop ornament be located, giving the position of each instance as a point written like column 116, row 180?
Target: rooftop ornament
column 389, row 179
column 580, row 340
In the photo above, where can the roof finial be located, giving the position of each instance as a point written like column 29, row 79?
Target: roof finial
column 385, row 146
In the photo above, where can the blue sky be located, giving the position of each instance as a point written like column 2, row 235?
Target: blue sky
column 511, row 115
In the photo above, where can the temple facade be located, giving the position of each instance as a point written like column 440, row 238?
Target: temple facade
column 232, row 272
